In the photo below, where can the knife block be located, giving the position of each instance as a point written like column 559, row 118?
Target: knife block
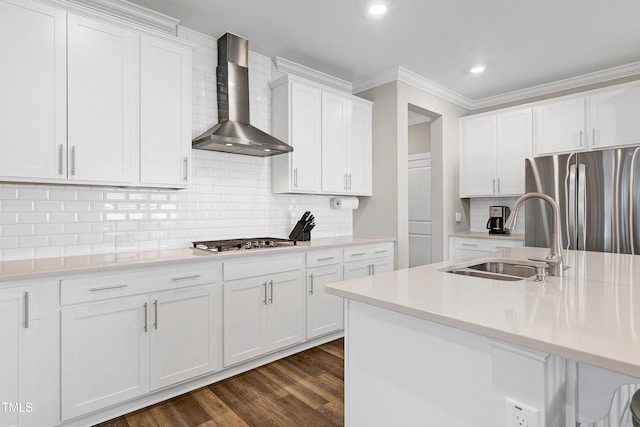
column 297, row 233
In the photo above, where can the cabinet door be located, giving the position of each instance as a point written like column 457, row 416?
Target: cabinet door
column 514, row 135
column 381, row 265
column 33, row 127
column 105, row 354
column 165, row 113
column 13, row 333
column 245, row 319
column 353, row 270
column 306, row 134
column 324, row 311
column 478, row 156
column 285, row 310
column 559, row 127
column 186, row 340
column 359, row 149
column 613, row 117
column 334, row 141
column 103, row 86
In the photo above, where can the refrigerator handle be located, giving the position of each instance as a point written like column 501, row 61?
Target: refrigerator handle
column 571, row 197
column 582, row 207
column 631, row 192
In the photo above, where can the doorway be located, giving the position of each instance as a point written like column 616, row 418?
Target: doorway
column 419, row 186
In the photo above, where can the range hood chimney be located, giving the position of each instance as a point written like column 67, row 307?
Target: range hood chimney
column 234, row 133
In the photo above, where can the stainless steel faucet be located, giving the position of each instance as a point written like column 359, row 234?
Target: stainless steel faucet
column 554, row 259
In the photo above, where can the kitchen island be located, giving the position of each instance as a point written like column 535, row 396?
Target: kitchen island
column 427, row 347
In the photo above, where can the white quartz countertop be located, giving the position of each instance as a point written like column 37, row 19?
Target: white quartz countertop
column 43, row 267
column 591, row 315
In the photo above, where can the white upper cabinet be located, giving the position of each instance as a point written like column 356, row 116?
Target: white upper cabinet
column 103, row 87
column 604, row 118
column 76, row 92
column 330, row 133
column 297, row 119
column 613, row 117
column 359, row 145
column 335, row 123
column 165, row 109
column 559, row 127
column 492, row 153
column 33, row 129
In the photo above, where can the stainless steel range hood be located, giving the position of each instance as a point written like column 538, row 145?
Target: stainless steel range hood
column 234, row 133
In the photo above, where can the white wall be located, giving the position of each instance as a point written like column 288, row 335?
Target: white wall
column 230, row 195
column 420, row 138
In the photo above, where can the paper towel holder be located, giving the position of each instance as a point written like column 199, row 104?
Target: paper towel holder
column 349, row 202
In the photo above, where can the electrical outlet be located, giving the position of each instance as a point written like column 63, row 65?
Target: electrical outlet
column 518, row 414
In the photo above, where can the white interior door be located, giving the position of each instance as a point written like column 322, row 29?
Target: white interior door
column 419, row 209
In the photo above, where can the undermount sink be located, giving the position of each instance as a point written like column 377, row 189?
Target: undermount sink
column 498, row 269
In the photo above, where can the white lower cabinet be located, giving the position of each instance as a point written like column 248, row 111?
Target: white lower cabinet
column 105, row 354
column 121, row 347
column 262, row 314
column 27, row 359
column 325, row 312
column 368, row 260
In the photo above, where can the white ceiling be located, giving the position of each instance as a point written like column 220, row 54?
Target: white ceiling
column 522, row 43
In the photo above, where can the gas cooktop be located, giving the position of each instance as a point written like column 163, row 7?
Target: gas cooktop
column 242, row 244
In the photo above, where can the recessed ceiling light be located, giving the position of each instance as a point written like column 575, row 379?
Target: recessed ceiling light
column 378, row 9
column 267, row 150
column 477, row 69
column 229, row 145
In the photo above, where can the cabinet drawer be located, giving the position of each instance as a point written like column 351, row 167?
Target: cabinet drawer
column 105, row 286
column 324, row 257
column 485, row 245
column 357, row 253
column 260, row 266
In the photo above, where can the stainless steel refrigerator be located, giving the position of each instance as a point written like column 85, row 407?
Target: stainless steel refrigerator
column 598, row 194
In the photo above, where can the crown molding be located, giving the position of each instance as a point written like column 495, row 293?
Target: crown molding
column 560, row 85
column 124, row 10
column 422, row 83
column 291, row 68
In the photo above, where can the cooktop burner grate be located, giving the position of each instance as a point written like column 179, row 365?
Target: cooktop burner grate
column 242, row 244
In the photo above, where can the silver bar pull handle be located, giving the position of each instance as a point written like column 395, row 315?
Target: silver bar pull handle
column 295, row 177
column 571, row 197
column 582, row 210
column 383, row 251
column 345, row 181
column 264, row 286
column 369, row 270
column 359, row 254
column 498, row 185
column 73, row 160
column 494, row 185
column 593, row 137
column 472, row 245
column 60, row 159
column 581, row 138
column 349, row 188
column 632, row 169
column 193, row 276
column 146, row 317
column 373, row 269
column 155, row 309
column 271, row 295
column 108, row 288
column 26, row 310
column 311, row 284
column 186, row 168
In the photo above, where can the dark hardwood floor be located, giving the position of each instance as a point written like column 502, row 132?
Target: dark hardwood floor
column 306, row 389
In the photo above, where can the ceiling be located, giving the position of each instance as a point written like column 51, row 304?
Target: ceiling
column 523, row 44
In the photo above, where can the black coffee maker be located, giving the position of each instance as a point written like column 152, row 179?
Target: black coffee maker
column 497, row 217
